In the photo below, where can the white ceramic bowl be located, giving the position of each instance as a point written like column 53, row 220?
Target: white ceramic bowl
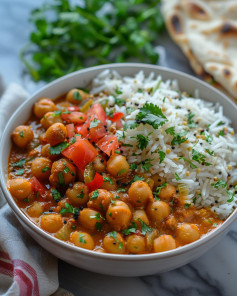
column 112, row 264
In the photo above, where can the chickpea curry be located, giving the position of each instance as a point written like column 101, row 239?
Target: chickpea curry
column 68, row 174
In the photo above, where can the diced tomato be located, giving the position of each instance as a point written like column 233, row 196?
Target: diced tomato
column 96, row 133
column 37, row 186
column 99, row 113
column 116, row 116
column 73, row 108
column 70, row 130
column 74, row 117
column 108, row 144
column 81, row 153
column 119, row 124
column 82, row 129
column 96, row 183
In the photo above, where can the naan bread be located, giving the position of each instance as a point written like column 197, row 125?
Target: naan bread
column 206, row 31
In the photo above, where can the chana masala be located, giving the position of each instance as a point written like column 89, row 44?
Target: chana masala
column 68, row 175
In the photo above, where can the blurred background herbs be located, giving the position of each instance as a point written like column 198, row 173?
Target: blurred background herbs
column 69, row 37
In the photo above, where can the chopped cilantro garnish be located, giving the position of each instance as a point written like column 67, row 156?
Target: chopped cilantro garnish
column 67, row 209
column 170, row 131
column 199, row 157
column 220, row 123
column 57, row 149
column 21, row 134
column 121, row 190
column 56, row 194
column 158, row 189
column 193, row 166
column 57, row 113
column 26, row 199
column 119, row 102
column 20, row 163
column 179, row 138
column 231, row 195
column 107, row 179
column 142, row 141
column 117, row 91
column 219, row 183
column 122, row 172
column 177, row 177
column 151, row 114
column 221, row 133
column 209, row 152
column 77, row 96
column 97, row 216
column 187, row 205
column 20, row 172
column 130, row 125
column 81, row 239
column 137, row 178
column 162, row 155
column 94, row 123
column 191, row 123
column 133, row 166
column 95, row 194
column 131, row 229
column 66, row 170
column 146, row 164
column 208, row 137
column 98, row 226
column 81, row 195
column 194, row 200
column 61, row 179
column 145, row 227
column 45, row 169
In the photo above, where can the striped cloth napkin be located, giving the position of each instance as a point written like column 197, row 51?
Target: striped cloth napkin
column 25, row 268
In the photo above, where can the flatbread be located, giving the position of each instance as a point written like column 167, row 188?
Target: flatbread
column 206, row 31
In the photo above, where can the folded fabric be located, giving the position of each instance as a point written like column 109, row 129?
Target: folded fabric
column 25, row 267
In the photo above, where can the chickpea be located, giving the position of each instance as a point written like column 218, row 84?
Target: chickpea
column 49, row 119
column 89, row 218
column 45, row 152
column 158, row 180
column 118, row 215
column 187, row 233
column 76, row 96
column 140, row 194
column 51, row 222
column 20, row 188
column 158, row 210
column 102, row 201
column 44, row 106
column 35, row 210
column 140, row 215
column 114, row 243
column 117, row 166
column 22, row 135
column 82, row 239
column 136, row 244
column 167, row 192
column 109, row 183
column 42, row 138
column 78, row 195
column 99, row 164
column 164, row 243
column 41, row 168
column 56, row 134
column 80, row 175
column 63, row 172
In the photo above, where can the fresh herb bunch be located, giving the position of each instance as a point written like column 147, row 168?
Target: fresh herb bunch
column 67, row 37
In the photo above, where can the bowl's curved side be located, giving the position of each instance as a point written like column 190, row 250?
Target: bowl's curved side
column 108, row 263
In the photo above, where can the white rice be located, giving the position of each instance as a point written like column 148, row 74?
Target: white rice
column 168, row 97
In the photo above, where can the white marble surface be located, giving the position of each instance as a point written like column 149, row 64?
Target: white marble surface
column 215, row 273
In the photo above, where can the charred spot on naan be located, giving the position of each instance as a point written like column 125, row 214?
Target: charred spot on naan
column 227, row 72
column 176, row 24
column 197, row 11
column 228, row 30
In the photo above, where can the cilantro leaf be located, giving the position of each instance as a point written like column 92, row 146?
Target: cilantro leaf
column 67, row 209
column 191, row 123
column 95, row 194
column 145, row 227
column 20, row 163
column 107, row 179
column 170, row 131
column 219, row 183
column 151, row 114
column 193, row 166
column 142, row 141
column 77, row 96
column 20, row 172
column 177, row 177
column 57, row 149
column 131, row 229
column 162, row 155
column 158, row 189
column 137, row 178
column 56, row 194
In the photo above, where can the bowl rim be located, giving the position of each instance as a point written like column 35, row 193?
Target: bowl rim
column 118, row 257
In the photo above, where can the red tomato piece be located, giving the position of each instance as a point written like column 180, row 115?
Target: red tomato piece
column 74, row 117
column 82, row 129
column 96, row 133
column 96, row 183
column 73, row 108
column 81, row 153
column 108, row 144
column 116, row 116
column 98, row 112
column 37, row 186
column 70, row 130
